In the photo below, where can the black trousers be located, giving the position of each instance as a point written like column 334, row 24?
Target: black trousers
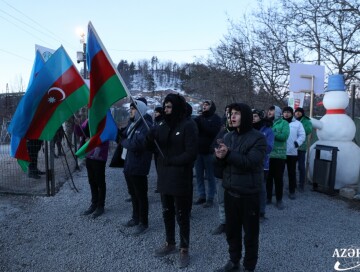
column 276, row 175
column 33, row 147
column 179, row 206
column 96, row 176
column 138, row 190
column 242, row 213
column 291, row 168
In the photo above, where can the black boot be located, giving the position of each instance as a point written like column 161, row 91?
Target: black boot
column 90, row 210
column 99, row 211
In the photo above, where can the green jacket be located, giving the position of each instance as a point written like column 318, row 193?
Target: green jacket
column 281, row 131
column 305, row 121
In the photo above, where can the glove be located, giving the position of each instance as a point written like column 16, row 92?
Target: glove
column 296, row 144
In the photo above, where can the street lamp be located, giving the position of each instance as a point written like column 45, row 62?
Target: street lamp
column 81, row 55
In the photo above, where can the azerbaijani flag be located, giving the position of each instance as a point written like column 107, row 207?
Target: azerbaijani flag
column 108, row 130
column 106, row 87
column 56, row 92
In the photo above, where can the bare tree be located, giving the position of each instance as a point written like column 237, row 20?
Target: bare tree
column 330, row 30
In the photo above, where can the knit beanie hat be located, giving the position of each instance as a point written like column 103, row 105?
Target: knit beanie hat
column 159, row 110
column 300, row 110
column 290, row 109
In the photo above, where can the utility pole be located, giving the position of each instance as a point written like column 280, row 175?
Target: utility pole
column 81, row 56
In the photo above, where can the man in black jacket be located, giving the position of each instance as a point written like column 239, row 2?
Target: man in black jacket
column 241, row 157
column 177, row 139
column 209, row 125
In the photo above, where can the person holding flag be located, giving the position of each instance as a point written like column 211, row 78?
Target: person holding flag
column 137, row 165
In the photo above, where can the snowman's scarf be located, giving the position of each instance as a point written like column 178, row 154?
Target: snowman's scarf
column 335, row 111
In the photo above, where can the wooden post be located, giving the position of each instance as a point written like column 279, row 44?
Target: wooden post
column 308, row 138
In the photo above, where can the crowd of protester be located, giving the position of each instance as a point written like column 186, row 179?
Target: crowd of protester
column 239, row 158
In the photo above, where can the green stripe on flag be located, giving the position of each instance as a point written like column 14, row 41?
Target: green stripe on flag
column 24, row 165
column 110, row 92
column 82, row 150
column 64, row 111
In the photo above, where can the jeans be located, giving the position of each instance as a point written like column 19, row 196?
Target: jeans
column 242, row 213
column 96, row 175
column 138, row 190
column 205, row 163
column 263, row 193
column 179, row 206
column 301, row 167
column 220, row 199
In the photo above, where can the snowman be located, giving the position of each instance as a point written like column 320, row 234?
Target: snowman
column 337, row 129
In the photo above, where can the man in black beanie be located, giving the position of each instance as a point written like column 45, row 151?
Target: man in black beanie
column 209, row 124
column 158, row 115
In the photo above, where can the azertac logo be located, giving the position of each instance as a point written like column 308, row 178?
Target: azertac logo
column 347, row 259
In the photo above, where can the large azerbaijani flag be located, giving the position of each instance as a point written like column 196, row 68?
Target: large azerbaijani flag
column 56, row 92
column 106, row 87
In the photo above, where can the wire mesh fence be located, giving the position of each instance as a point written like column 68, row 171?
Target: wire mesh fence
column 52, row 162
column 50, row 174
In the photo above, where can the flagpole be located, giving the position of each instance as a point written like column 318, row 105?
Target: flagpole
column 148, row 128
column 121, row 79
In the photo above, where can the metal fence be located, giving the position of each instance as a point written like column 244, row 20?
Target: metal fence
column 58, row 170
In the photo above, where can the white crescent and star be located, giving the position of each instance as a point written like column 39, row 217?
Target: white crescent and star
column 52, row 99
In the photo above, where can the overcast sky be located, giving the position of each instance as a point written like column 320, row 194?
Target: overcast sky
column 180, row 31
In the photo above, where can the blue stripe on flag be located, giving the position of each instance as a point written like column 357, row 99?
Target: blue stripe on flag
column 92, row 46
column 45, row 78
column 111, row 130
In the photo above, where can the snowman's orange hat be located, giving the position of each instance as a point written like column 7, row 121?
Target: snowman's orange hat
column 336, row 83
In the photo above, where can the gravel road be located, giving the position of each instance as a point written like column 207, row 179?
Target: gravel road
column 48, row 233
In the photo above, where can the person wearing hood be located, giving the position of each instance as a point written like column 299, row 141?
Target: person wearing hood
column 277, row 161
column 177, row 140
column 137, row 165
column 296, row 138
column 274, row 113
column 209, row 125
column 264, row 126
column 305, row 121
column 241, row 156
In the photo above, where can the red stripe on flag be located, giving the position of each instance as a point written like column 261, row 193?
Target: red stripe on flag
column 68, row 82
column 101, row 71
column 95, row 140
column 22, row 152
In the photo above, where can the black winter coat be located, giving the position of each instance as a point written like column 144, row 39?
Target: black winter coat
column 209, row 127
column 138, row 157
column 179, row 146
column 243, row 166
